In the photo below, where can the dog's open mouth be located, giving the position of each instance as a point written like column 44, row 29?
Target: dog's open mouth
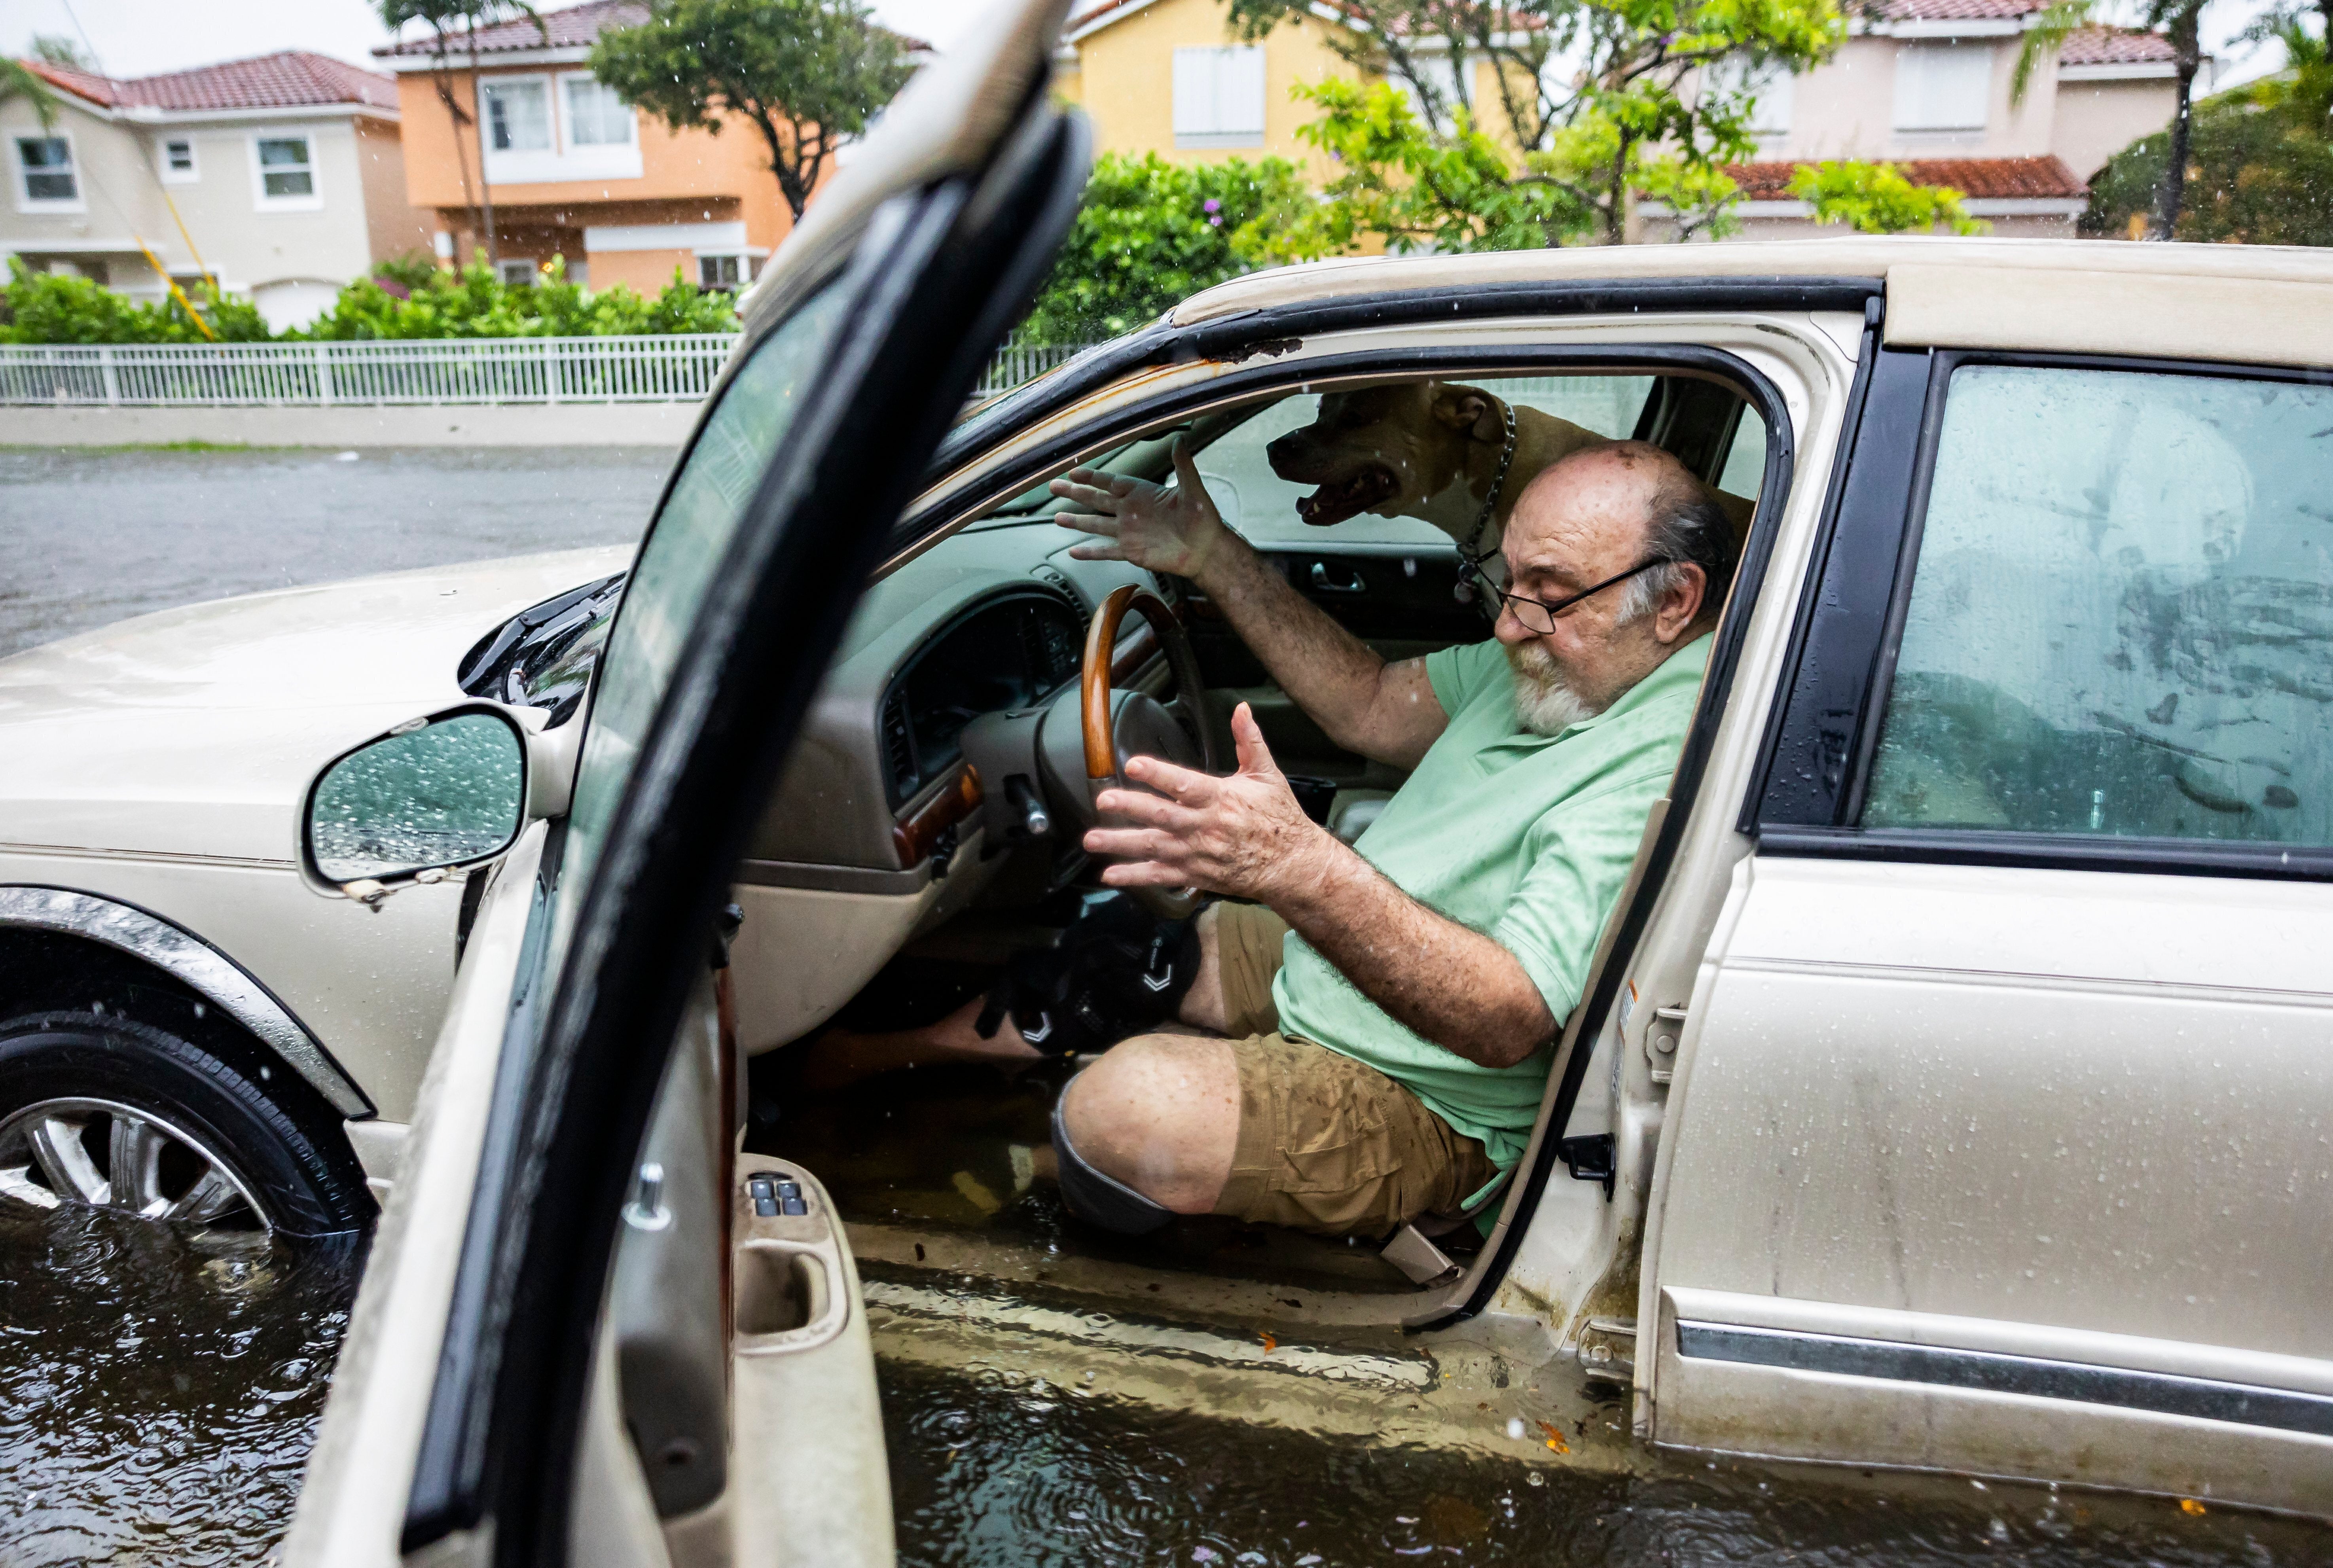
column 1340, row 499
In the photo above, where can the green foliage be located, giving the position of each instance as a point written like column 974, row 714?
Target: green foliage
column 50, row 308
column 2179, row 22
column 2260, row 166
column 806, row 73
column 1149, row 232
column 1601, row 103
column 1879, row 199
column 475, row 303
column 56, row 49
column 61, row 308
column 19, row 80
column 413, row 270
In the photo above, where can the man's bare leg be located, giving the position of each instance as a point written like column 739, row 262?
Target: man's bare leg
column 842, row 1056
column 1160, row 1112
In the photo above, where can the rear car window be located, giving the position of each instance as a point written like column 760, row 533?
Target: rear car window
column 2121, row 617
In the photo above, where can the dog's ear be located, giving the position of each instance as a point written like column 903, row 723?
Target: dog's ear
column 1470, row 409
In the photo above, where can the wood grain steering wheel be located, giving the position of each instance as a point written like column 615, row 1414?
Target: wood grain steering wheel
column 1117, row 726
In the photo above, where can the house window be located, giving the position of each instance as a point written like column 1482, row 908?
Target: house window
column 517, row 271
column 285, row 172
column 1219, row 97
column 596, row 117
column 518, row 116
column 47, row 162
column 723, row 271
column 178, row 161
column 1943, row 86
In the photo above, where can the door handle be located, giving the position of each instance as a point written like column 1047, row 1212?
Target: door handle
column 1321, row 584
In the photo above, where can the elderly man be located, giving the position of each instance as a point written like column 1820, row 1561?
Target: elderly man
column 1379, row 1018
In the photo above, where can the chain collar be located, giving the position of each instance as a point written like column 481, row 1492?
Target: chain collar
column 1471, row 554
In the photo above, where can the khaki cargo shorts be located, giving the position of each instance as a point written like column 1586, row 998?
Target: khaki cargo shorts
column 1326, row 1143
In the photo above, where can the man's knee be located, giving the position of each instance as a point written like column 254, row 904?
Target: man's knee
column 1160, row 1114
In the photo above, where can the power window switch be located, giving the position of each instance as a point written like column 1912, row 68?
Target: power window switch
column 764, row 1190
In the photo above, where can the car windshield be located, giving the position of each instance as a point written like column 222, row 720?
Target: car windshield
column 543, row 656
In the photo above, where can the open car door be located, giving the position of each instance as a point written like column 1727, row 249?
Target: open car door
column 588, row 1330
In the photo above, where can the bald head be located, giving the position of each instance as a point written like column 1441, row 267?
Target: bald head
column 1611, row 506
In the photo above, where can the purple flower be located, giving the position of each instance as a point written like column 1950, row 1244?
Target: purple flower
column 1215, row 223
column 1212, row 206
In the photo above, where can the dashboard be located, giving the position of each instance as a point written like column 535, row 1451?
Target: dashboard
column 1012, row 651
column 992, row 619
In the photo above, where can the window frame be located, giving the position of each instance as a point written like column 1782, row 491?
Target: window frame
column 26, row 202
column 744, row 258
column 313, row 201
column 1931, row 50
column 488, row 89
column 562, row 137
column 1851, row 619
column 169, row 174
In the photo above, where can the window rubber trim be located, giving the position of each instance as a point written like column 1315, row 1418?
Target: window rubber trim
column 1839, row 839
column 953, row 510
column 1260, row 333
column 937, row 279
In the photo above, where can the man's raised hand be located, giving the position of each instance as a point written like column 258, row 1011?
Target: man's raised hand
column 1244, row 835
column 1177, row 531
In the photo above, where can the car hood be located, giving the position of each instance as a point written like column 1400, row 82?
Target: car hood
column 192, row 733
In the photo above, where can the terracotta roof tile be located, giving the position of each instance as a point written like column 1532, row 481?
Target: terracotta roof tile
column 292, row 78
column 1959, row 10
column 576, row 27
column 2114, row 47
column 1979, row 178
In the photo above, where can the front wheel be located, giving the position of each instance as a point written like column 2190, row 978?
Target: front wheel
column 113, row 1114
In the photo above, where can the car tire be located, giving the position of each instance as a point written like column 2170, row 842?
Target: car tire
column 190, row 1124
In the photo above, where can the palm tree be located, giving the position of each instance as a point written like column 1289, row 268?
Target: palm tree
column 18, row 80
column 2177, row 21
column 441, row 16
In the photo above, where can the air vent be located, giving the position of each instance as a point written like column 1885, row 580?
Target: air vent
column 1046, row 571
column 898, row 746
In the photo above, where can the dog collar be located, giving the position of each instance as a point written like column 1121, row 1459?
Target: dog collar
column 1498, row 482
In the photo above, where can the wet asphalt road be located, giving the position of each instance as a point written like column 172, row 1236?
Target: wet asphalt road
column 88, row 537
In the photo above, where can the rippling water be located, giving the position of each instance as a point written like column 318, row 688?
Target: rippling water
column 987, row 1474
column 158, row 1392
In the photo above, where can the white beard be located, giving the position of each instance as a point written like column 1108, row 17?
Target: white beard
column 1545, row 698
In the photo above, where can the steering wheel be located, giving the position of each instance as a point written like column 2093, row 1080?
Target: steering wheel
column 1118, row 725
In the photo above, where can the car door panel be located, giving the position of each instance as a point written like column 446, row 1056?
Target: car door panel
column 1998, row 1116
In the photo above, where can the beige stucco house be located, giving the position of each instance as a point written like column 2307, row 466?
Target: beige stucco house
column 285, row 172
column 1926, row 84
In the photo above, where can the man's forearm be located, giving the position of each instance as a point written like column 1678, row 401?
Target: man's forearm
column 1443, row 981
column 1331, row 673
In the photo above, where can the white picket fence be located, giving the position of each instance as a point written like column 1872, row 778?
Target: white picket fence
column 676, row 369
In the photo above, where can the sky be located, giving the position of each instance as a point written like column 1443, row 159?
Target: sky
column 144, row 37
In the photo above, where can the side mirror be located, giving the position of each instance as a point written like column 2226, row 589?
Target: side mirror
column 432, row 795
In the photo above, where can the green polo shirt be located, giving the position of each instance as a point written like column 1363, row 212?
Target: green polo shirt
column 1522, row 836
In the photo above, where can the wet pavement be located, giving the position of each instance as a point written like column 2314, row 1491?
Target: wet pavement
column 89, row 536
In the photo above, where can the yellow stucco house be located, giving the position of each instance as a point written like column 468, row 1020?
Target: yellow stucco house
column 1171, row 77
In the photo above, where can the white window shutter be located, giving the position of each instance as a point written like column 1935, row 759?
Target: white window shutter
column 1943, row 86
column 1194, row 91
column 1239, row 99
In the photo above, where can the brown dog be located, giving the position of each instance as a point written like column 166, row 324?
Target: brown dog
column 1429, row 450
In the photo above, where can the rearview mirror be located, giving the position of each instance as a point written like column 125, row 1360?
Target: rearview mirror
column 430, row 796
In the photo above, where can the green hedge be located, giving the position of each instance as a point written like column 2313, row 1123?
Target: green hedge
column 412, row 298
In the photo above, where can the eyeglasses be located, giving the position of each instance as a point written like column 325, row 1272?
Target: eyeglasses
column 1538, row 615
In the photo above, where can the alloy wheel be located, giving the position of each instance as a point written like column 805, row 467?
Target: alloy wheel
column 105, row 1155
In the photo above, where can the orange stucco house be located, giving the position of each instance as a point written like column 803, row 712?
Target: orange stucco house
column 575, row 171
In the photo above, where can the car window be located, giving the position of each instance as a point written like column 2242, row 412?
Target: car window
column 1261, row 506
column 689, row 538
column 2121, row 619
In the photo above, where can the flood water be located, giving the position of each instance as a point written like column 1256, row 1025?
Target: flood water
column 991, row 1474
column 158, row 1391
column 159, row 1394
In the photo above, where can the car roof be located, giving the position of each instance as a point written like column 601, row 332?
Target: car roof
column 2265, row 304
